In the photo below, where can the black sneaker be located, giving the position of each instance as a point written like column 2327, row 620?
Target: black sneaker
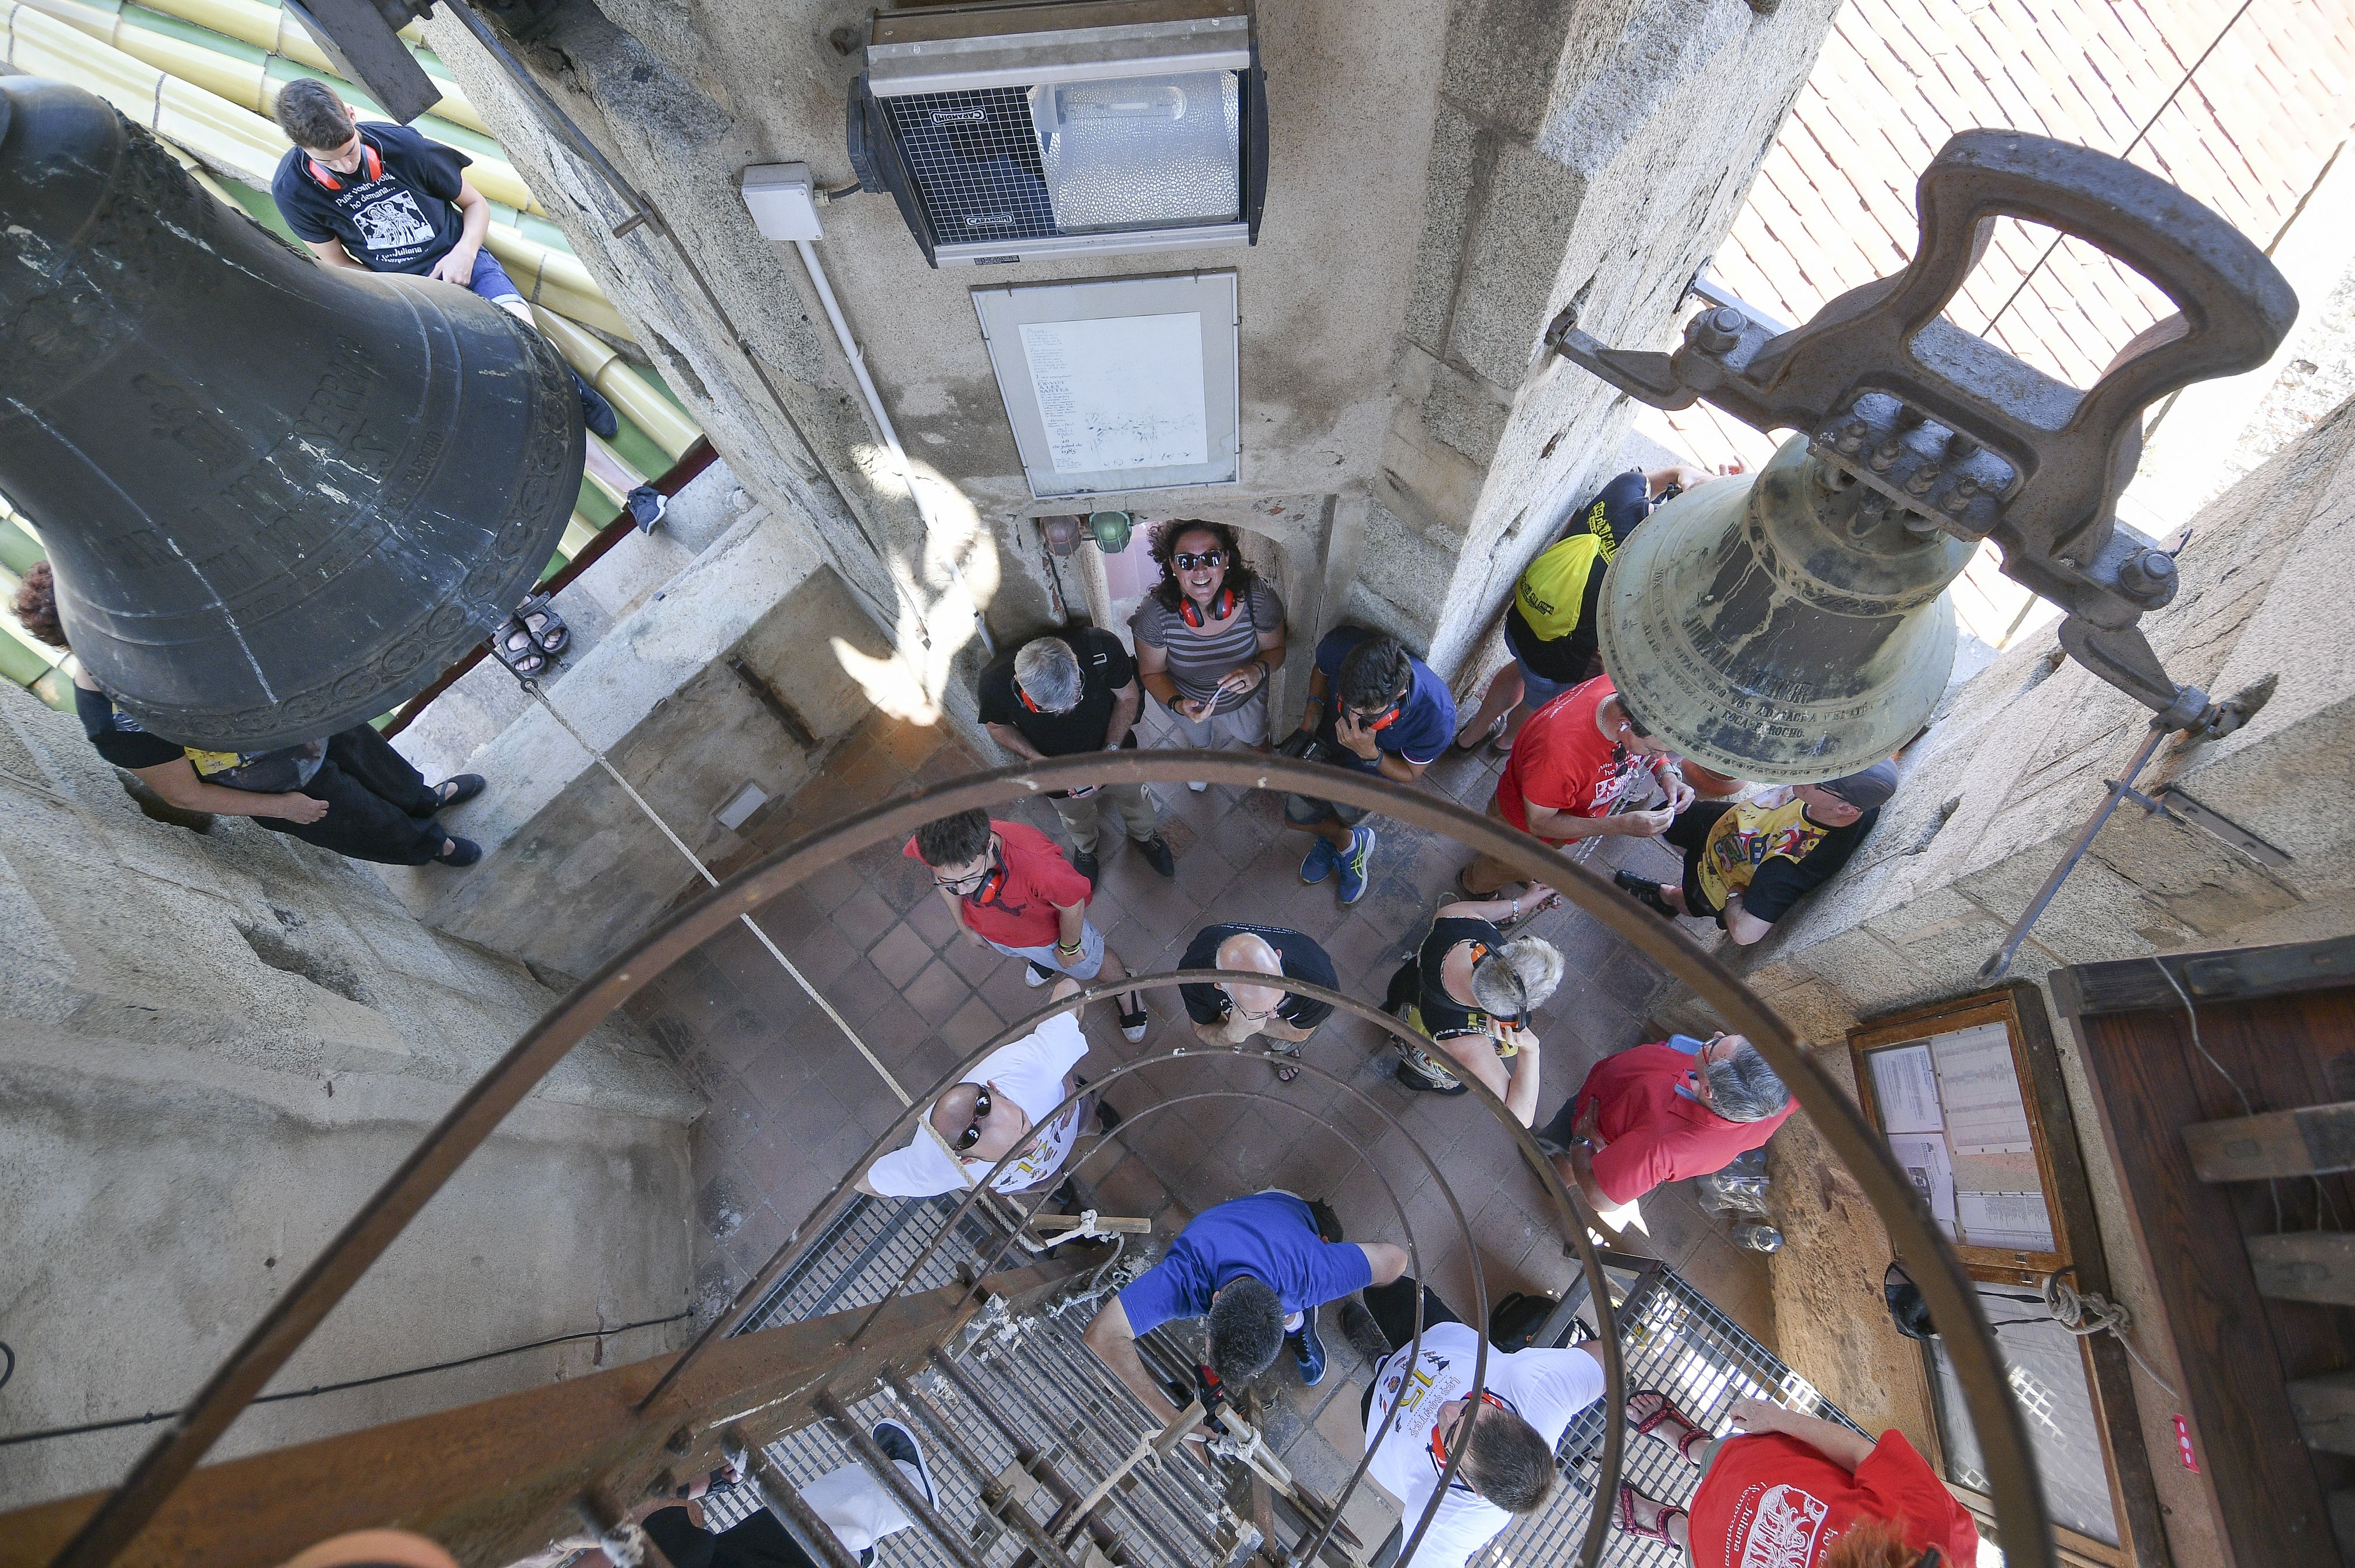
column 900, row 1444
column 1155, row 851
column 1364, row 1335
column 595, row 412
column 1035, row 973
column 1086, row 865
column 646, row 506
column 1645, row 892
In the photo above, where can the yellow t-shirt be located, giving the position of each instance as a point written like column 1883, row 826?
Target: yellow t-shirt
column 1754, row 832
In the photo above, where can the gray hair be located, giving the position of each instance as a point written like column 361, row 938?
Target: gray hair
column 1507, row 1461
column 1246, row 1331
column 1743, row 1087
column 1049, row 671
column 1518, row 977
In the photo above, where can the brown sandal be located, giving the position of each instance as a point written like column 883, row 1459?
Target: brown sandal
column 1623, row 1515
column 1648, row 1409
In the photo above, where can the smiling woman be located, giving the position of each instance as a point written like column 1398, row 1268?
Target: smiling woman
column 1209, row 637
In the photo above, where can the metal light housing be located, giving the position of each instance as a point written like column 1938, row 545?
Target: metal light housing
column 1029, row 132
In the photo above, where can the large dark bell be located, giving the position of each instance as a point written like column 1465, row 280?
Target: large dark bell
column 279, row 499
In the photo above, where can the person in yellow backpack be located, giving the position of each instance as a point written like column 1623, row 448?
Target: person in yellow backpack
column 1551, row 624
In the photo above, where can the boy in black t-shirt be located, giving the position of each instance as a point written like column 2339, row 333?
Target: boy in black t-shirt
column 1066, row 694
column 1748, row 861
column 383, row 198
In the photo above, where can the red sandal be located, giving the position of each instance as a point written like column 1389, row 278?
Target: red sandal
column 1648, row 1418
column 1623, row 1515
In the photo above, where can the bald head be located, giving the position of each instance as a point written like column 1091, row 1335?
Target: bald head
column 1244, row 950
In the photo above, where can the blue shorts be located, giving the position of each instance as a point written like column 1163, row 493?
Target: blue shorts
column 1536, row 690
column 491, row 281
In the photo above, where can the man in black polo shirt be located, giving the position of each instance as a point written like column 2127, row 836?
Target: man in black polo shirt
column 1229, row 1013
column 1066, row 692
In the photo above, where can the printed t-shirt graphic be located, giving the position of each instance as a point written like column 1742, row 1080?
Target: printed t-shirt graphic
column 1021, row 912
column 1030, row 1072
column 403, row 220
column 1562, row 762
column 1772, row 1501
column 1769, row 850
column 1544, row 1387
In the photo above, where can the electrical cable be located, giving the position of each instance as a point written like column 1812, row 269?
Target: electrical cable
column 2191, row 1017
column 155, row 1415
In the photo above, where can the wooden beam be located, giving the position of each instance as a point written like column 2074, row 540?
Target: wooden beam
column 2309, row 1141
column 2305, row 1265
column 2131, row 985
column 2324, row 1407
column 494, row 1480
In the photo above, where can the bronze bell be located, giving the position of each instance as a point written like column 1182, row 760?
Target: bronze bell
column 279, row 499
column 1786, row 627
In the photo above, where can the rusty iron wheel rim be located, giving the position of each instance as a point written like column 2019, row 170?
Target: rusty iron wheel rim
column 1970, row 1341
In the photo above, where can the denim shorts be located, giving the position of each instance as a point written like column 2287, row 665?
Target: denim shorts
column 1536, row 690
column 491, row 280
column 1084, row 968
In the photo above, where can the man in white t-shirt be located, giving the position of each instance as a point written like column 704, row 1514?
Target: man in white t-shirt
column 1507, row 1441
column 1008, row 1092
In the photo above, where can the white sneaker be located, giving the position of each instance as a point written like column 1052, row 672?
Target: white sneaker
column 1034, row 976
column 1197, row 788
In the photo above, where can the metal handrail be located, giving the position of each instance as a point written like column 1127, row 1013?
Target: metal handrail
column 2019, row 1505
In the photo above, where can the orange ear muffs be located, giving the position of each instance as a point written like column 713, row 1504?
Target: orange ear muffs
column 370, row 160
column 1191, row 613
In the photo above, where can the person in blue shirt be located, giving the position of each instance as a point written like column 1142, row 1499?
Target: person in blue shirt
column 1258, row 1267
column 1374, row 707
column 383, row 198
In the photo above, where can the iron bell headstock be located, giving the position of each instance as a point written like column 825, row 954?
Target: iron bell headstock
column 1946, row 433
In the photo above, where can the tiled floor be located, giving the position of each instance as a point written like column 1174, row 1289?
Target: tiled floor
column 794, row 1104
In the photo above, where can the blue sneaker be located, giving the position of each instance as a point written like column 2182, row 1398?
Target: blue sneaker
column 1320, row 863
column 1308, row 1349
column 1352, row 862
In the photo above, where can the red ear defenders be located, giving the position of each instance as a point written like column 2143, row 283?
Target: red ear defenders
column 991, row 884
column 1191, row 613
column 1388, row 719
column 1027, row 703
column 370, row 160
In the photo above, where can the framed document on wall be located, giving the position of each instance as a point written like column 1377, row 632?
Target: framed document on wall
column 1970, row 1097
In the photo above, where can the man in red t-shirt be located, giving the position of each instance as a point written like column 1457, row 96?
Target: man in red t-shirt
column 1787, row 1489
column 1571, row 764
column 1665, row 1113
column 1008, row 888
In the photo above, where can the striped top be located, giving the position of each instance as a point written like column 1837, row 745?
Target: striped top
column 1197, row 661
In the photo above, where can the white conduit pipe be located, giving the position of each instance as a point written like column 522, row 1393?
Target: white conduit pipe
column 883, row 427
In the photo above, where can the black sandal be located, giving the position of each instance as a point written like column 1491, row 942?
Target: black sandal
column 540, row 623
column 462, row 851
column 1645, row 892
column 512, row 645
column 1286, row 1065
column 458, row 790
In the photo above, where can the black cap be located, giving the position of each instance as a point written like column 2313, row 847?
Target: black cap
column 1866, row 789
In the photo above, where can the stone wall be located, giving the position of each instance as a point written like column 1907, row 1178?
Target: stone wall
column 213, row 1047
column 1442, row 179
column 1991, row 798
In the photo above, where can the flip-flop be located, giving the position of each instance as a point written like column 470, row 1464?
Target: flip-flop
column 1623, row 1515
column 1649, row 1417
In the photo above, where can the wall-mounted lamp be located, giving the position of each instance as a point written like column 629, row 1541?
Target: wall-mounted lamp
column 1025, row 132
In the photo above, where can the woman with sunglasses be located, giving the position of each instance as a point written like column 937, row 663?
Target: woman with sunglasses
column 1797, row 1491
column 980, row 1121
column 1472, row 991
column 1208, row 638
column 1423, row 1410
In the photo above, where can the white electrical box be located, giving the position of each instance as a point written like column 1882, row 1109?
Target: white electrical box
column 782, row 200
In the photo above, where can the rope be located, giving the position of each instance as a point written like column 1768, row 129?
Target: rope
column 2086, row 1313
column 533, row 688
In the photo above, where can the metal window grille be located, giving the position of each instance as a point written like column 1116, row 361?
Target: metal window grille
column 974, row 158
column 1677, row 1340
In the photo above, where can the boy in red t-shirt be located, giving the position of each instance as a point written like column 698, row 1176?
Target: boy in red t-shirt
column 1789, row 1488
column 1571, row 764
column 1008, row 888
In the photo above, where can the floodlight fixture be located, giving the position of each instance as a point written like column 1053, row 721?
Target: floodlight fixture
column 1031, row 133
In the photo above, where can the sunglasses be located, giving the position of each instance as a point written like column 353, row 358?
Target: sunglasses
column 971, row 1135
column 1439, row 1440
column 1187, row 562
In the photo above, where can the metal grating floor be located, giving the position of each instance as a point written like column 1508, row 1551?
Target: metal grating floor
column 1675, row 1340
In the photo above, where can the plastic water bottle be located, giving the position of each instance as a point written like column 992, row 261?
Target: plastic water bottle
column 1758, row 1237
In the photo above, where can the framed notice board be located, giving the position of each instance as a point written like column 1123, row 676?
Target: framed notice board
column 1969, row 1096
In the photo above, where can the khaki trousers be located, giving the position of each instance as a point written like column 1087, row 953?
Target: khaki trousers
column 1080, row 814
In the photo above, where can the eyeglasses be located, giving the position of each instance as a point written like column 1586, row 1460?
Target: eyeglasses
column 1439, row 1440
column 971, row 1135
column 959, row 883
column 1187, row 562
